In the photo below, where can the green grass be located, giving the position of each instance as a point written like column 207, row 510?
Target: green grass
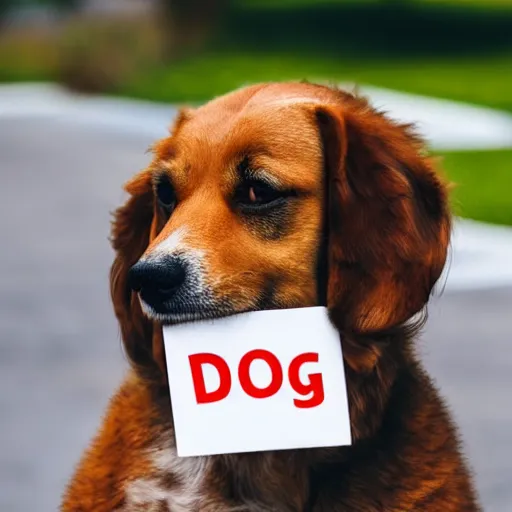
column 474, row 3
column 198, row 79
column 480, row 80
column 485, row 81
column 456, row 3
column 483, row 184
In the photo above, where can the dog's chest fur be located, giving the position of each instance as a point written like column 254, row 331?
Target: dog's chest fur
column 176, row 485
column 188, row 484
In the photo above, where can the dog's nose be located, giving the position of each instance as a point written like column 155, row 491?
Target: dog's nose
column 157, row 281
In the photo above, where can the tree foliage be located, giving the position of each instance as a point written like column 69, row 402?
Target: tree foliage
column 187, row 24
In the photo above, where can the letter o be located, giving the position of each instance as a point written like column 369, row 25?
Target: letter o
column 245, row 377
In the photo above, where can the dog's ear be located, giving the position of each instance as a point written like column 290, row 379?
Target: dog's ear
column 134, row 226
column 388, row 225
column 131, row 229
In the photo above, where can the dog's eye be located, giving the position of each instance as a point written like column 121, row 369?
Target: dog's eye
column 261, row 193
column 165, row 194
column 256, row 195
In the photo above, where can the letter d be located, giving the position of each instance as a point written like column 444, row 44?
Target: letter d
column 196, row 367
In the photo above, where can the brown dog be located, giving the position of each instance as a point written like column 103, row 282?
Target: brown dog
column 279, row 196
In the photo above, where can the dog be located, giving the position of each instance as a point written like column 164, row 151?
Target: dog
column 282, row 195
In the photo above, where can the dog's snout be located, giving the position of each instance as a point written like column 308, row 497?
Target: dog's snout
column 157, row 281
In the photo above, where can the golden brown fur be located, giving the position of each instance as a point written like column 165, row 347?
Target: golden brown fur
column 365, row 232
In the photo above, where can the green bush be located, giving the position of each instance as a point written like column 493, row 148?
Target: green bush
column 27, row 55
column 101, row 55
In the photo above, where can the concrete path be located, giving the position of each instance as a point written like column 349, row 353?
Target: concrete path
column 60, row 355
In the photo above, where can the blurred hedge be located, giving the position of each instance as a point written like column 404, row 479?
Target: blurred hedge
column 99, row 55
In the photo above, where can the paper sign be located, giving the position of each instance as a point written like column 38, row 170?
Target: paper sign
column 267, row 380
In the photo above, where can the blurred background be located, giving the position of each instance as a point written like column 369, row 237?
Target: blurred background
column 87, row 85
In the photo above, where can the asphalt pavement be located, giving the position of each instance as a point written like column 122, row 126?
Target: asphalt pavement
column 60, row 353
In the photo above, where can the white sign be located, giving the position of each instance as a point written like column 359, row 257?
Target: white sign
column 267, row 380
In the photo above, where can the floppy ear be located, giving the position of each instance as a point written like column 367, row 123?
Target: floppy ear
column 133, row 227
column 388, row 225
column 131, row 230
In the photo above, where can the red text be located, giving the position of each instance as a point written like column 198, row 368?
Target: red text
column 314, row 385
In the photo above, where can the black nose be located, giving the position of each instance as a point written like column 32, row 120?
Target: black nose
column 157, row 281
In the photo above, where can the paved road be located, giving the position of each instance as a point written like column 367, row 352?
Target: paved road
column 60, row 355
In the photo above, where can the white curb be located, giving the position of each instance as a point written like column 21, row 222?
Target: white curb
column 47, row 100
column 480, row 257
column 447, row 124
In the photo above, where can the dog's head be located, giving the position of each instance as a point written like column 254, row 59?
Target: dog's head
column 280, row 196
